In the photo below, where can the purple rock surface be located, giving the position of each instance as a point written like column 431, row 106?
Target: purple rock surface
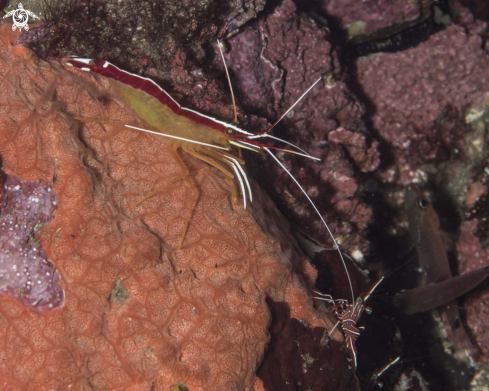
column 302, row 357
column 25, row 272
column 367, row 16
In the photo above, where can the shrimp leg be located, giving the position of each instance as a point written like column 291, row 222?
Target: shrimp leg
column 228, row 175
column 185, row 175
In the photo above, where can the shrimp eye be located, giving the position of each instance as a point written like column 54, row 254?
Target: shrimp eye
column 423, row 203
column 230, row 131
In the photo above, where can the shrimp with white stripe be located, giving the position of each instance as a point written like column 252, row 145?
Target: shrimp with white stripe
column 208, row 139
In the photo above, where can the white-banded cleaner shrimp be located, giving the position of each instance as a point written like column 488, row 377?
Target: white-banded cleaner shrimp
column 208, row 139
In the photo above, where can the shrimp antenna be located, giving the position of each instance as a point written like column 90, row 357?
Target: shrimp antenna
column 285, row 142
column 306, row 155
column 262, row 134
column 290, row 108
column 322, row 219
column 219, row 45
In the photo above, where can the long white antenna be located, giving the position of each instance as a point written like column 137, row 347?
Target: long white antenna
column 283, row 141
column 175, row 137
column 291, row 107
column 219, row 44
column 321, row 217
column 235, row 164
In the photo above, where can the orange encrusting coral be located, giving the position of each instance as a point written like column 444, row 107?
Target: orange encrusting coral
column 137, row 311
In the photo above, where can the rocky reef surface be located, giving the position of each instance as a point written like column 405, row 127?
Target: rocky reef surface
column 403, row 98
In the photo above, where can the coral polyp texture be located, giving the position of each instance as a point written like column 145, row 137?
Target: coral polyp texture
column 138, row 312
column 25, row 272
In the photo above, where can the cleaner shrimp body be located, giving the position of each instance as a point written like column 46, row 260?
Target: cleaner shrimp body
column 201, row 136
column 210, row 140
